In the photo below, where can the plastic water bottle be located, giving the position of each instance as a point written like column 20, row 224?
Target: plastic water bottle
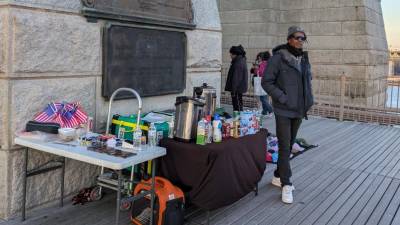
column 137, row 136
column 171, row 127
column 201, row 132
column 209, row 130
column 217, row 126
column 152, row 138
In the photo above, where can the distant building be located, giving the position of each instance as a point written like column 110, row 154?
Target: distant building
column 394, row 62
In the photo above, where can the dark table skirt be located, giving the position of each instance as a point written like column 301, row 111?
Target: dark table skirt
column 217, row 174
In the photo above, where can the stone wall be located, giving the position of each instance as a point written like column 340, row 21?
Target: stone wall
column 49, row 52
column 344, row 36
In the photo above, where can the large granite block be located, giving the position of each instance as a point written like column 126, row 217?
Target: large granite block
column 204, row 49
column 262, row 42
column 325, row 56
column 352, row 3
column 233, row 17
column 324, row 15
column 356, row 57
column 47, row 42
column 377, row 43
column 227, row 5
column 325, row 3
column 250, row 28
column 354, row 71
column 375, row 30
column 3, row 183
column 68, row 5
column 314, row 28
column 294, row 5
column 377, row 71
column 325, row 42
column 3, row 39
column 3, row 114
column 354, row 27
column 29, row 97
column 229, row 41
column 206, row 14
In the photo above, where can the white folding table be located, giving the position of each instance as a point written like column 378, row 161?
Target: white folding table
column 80, row 153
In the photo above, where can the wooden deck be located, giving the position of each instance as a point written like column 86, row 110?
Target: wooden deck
column 352, row 178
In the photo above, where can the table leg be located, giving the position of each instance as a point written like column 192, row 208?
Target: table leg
column 24, row 183
column 118, row 196
column 62, row 182
column 152, row 193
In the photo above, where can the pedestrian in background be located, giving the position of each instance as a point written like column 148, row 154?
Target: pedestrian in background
column 258, row 70
column 287, row 79
column 236, row 82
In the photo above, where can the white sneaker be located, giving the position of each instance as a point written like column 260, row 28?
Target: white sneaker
column 276, row 181
column 287, row 195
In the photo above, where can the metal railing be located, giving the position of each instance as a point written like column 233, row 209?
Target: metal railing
column 344, row 98
column 364, row 100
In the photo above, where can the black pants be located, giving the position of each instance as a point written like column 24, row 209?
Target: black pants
column 286, row 131
column 237, row 101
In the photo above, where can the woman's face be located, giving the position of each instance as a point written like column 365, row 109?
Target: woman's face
column 232, row 56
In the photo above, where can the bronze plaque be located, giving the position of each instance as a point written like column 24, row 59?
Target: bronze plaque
column 172, row 13
column 151, row 61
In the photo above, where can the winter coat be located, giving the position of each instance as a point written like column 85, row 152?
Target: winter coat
column 237, row 76
column 261, row 68
column 288, row 81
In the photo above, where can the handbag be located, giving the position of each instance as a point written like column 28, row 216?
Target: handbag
column 258, row 90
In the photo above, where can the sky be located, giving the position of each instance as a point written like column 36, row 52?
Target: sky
column 391, row 16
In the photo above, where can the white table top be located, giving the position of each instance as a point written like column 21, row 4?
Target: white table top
column 80, row 153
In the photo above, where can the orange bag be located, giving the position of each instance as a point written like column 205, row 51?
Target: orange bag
column 168, row 205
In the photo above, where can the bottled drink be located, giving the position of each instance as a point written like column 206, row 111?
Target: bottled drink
column 121, row 133
column 217, row 125
column 137, row 136
column 201, row 132
column 152, row 135
column 209, row 129
column 171, row 127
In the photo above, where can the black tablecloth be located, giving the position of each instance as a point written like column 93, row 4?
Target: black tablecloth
column 217, row 174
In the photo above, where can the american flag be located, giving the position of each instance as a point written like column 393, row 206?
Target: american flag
column 65, row 114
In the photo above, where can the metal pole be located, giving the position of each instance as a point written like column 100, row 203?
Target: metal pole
column 342, row 93
column 24, row 183
column 118, row 196
column 62, row 182
column 152, row 192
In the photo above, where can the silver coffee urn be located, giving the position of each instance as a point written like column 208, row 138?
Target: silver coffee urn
column 208, row 95
column 188, row 113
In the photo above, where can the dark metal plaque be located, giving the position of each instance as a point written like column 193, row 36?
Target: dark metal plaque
column 172, row 13
column 151, row 61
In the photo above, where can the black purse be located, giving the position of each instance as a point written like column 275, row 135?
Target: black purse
column 51, row 128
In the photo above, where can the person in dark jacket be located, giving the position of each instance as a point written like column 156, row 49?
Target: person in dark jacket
column 287, row 79
column 236, row 83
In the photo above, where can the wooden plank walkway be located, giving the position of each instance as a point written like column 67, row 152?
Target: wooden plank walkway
column 352, row 178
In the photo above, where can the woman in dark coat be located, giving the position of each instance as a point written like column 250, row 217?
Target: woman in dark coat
column 236, row 83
